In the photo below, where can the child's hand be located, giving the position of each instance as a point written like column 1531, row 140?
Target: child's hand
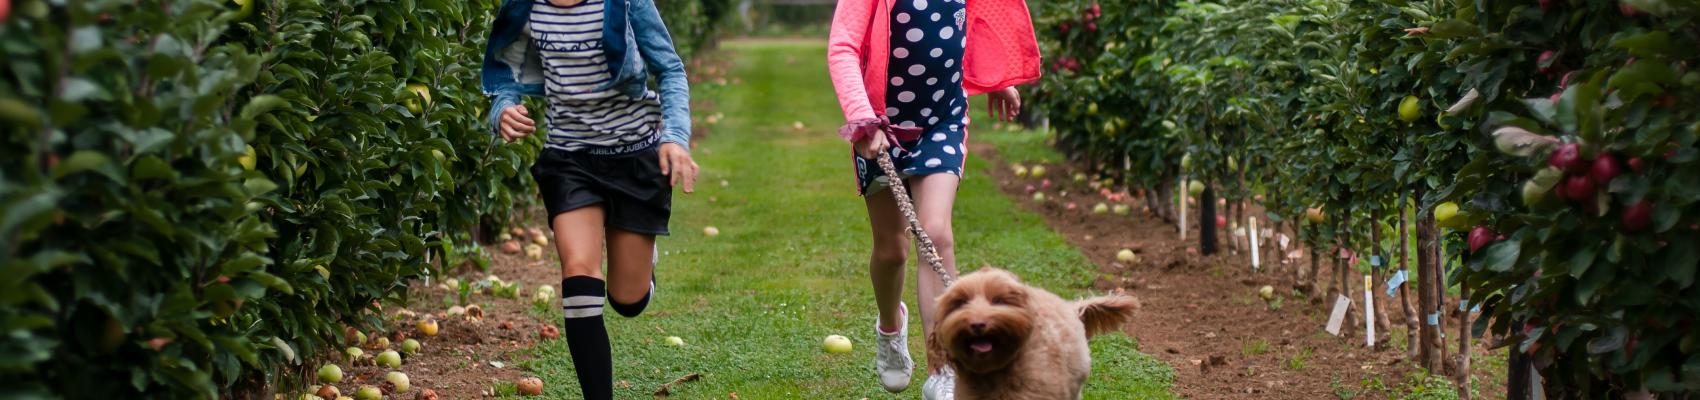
column 676, row 163
column 515, row 124
column 871, row 146
column 1004, row 104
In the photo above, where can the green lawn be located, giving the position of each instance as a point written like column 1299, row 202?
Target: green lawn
column 789, row 266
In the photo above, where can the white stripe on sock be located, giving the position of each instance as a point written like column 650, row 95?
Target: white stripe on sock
column 576, row 301
column 583, row 312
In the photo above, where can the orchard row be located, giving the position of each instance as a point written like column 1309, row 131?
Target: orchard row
column 1541, row 153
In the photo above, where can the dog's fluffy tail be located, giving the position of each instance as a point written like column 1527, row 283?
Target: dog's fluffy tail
column 1104, row 314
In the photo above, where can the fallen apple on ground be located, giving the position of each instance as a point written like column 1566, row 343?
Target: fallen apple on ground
column 330, row 373
column 1123, row 209
column 1126, row 255
column 389, row 358
column 1038, row 171
column 409, row 346
column 398, row 379
column 428, row 327
column 1101, row 208
column 328, row 392
column 1266, row 292
column 711, row 231
column 675, row 340
column 529, row 386
column 368, row 392
column 836, row 344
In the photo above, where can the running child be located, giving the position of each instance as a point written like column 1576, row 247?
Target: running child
column 903, row 71
column 614, row 149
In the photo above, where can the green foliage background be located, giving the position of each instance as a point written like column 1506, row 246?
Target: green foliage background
column 141, row 257
column 1301, row 97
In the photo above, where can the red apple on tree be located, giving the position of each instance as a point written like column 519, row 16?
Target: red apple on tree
column 1637, row 217
column 1481, row 236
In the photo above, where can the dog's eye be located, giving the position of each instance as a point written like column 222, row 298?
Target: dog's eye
column 997, row 301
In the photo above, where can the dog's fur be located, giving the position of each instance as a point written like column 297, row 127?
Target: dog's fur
column 1008, row 340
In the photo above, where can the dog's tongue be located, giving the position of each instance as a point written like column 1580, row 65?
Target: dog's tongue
column 983, row 346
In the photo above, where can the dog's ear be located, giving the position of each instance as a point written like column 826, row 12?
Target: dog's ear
column 936, row 351
column 1105, row 314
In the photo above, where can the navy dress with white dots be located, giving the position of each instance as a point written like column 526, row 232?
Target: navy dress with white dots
column 925, row 90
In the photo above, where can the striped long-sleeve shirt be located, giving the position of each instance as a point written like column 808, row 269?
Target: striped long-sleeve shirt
column 583, row 114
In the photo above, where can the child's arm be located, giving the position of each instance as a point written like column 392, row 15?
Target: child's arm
column 656, row 46
column 844, row 62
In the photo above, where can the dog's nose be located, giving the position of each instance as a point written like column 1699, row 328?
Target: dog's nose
column 977, row 327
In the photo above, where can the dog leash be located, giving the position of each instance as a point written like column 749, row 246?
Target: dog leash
column 905, row 204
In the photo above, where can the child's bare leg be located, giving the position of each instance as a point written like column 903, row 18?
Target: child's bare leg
column 631, row 265
column 579, row 237
column 885, row 266
column 935, row 196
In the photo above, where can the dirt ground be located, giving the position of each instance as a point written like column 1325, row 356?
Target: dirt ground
column 1202, row 314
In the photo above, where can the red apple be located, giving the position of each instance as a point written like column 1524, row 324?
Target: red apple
column 1635, row 164
column 1579, row 188
column 1547, row 60
column 1627, row 10
column 1546, row 5
column 1221, row 221
column 1565, row 82
column 1568, row 158
column 1637, row 217
column 1482, row 235
column 1605, row 168
column 1091, row 26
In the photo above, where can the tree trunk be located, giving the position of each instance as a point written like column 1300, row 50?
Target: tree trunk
column 1207, row 221
column 1517, row 373
column 1463, row 342
column 1411, row 327
column 1343, row 273
column 1377, row 279
column 1428, row 353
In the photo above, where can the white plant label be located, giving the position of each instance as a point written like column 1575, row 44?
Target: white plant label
column 1338, row 316
column 1252, row 226
column 1369, row 312
column 1183, row 197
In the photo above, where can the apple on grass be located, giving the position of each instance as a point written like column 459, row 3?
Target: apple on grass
column 836, row 344
column 675, row 340
column 529, row 386
column 711, row 231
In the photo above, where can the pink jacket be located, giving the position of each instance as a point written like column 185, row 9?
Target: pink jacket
column 1001, row 52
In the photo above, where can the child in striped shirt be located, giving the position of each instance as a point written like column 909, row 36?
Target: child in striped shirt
column 614, row 150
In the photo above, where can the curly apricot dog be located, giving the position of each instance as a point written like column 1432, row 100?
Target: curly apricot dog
column 1008, row 340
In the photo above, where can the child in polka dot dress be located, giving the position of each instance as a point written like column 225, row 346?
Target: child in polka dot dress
column 903, row 71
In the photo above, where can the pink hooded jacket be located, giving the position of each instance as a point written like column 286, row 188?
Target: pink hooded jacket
column 1001, row 52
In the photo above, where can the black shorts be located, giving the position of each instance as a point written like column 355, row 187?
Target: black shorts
column 634, row 194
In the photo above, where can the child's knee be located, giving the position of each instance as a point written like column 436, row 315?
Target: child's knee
column 940, row 234
column 587, row 266
column 890, row 253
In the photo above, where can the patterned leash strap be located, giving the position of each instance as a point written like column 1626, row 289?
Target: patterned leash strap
column 928, row 251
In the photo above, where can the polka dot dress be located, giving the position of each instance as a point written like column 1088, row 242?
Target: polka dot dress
column 925, row 89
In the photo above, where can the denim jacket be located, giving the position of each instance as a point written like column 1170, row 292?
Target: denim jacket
column 513, row 67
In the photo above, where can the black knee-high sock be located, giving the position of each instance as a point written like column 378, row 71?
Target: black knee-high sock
column 582, row 298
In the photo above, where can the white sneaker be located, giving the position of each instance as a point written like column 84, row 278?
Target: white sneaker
column 940, row 386
column 891, row 355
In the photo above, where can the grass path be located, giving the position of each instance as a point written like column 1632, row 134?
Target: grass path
column 788, row 268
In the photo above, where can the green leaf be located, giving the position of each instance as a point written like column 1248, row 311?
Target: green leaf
column 262, row 104
column 1582, row 260
column 1680, row 259
column 82, row 160
column 1651, row 44
column 1452, row 28
column 271, row 281
column 1502, row 256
